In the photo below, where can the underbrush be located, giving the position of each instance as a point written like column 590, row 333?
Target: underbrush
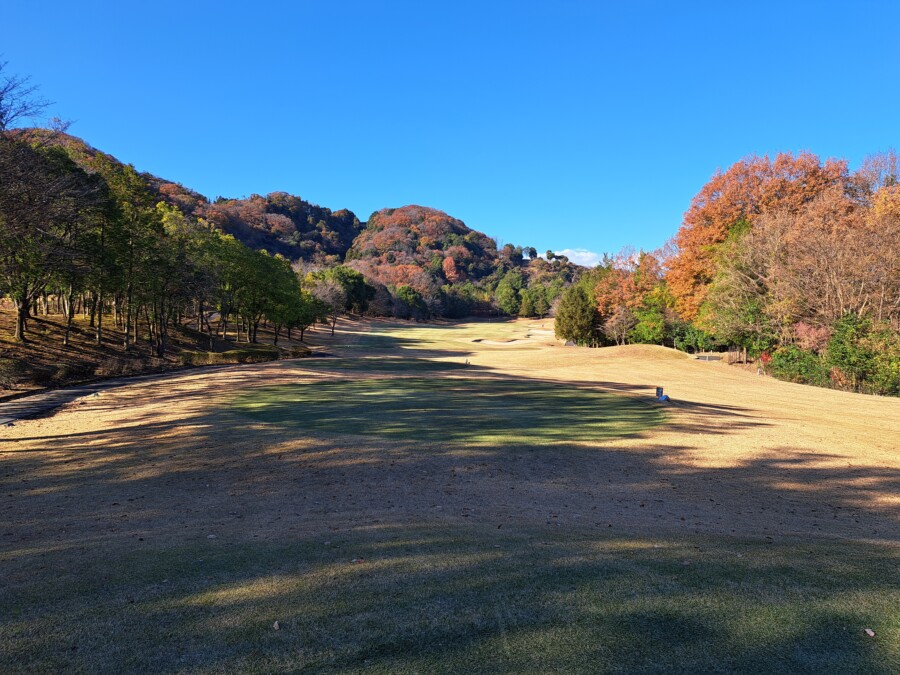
column 249, row 355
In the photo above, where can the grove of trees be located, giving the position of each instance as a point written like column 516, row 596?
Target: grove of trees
column 792, row 260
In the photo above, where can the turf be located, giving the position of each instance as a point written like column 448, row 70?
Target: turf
column 463, row 410
column 438, row 599
column 395, row 510
column 386, row 364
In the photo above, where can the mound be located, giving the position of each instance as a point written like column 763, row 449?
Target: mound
column 649, row 352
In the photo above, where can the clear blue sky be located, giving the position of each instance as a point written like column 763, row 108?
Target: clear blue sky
column 562, row 125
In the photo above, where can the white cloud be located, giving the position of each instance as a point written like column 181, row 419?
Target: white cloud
column 581, row 256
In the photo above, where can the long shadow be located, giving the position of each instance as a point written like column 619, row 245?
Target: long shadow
column 80, row 512
column 439, row 599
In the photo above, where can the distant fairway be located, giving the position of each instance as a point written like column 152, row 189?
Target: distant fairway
column 458, row 410
column 445, row 498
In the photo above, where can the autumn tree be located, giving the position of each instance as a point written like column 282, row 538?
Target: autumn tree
column 748, row 189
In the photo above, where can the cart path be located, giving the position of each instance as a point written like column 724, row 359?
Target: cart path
column 45, row 402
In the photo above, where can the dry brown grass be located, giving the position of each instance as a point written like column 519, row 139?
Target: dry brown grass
column 164, row 467
column 740, row 453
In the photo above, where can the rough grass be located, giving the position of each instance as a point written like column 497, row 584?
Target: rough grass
column 439, row 599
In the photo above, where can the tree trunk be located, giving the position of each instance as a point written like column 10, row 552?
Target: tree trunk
column 128, row 313
column 70, row 298
column 92, row 322
column 98, row 338
column 22, row 306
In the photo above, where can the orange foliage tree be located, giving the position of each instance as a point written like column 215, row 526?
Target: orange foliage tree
column 749, row 188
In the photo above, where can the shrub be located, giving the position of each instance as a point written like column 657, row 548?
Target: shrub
column 689, row 338
column 799, row 365
column 884, row 344
column 231, row 356
column 113, row 367
column 848, row 349
column 811, row 338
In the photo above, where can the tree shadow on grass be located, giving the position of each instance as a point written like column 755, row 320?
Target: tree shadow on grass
column 104, row 551
column 433, row 598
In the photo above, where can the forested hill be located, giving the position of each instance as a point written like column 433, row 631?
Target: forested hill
column 278, row 223
column 418, row 261
column 283, row 223
column 401, row 246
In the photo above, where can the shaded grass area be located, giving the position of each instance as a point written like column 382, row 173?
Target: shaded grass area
column 386, row 364
column 466, row 410
column 458, row 599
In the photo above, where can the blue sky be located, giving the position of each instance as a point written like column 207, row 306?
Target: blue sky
column 559, row 125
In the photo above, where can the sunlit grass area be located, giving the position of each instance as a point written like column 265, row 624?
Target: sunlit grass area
column 466, row 410
column 460, row 599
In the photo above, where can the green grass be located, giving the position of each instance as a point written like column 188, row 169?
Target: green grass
column 386, row 364
column 464, row 599
column 465, row 410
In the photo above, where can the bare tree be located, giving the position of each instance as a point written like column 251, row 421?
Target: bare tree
column 18, row 99
column 333, row 295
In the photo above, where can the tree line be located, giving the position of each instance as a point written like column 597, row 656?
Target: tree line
column 95, row 239
column 792, row 260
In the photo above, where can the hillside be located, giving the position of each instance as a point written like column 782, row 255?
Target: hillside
column 278, row 222
column 419, row 261
column 419, row 247
column 286, row 224
column 432, row 263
